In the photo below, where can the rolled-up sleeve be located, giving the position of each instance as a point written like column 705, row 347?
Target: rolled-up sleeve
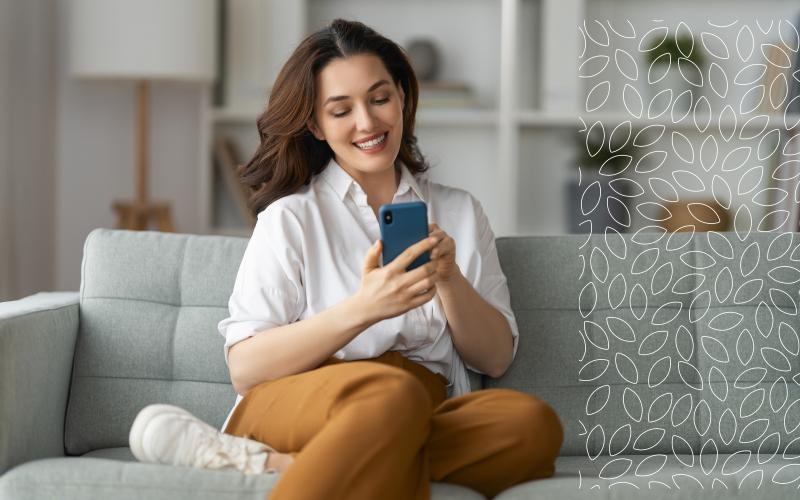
column 268, row 291
column 489, row 280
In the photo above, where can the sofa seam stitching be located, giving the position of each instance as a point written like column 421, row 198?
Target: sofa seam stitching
column 136, row 299
column 35, row 486
column 152, row 379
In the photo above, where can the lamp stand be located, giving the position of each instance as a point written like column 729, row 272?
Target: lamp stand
column 138, row 214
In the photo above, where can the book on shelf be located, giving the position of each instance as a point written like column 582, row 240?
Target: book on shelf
column 226, row 160
column 445, row 94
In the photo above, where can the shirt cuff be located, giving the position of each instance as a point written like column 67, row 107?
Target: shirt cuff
column 241, row 330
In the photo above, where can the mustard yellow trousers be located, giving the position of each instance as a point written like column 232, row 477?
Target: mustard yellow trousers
column 383, row 429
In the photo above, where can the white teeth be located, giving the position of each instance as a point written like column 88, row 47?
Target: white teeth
column 372, row 143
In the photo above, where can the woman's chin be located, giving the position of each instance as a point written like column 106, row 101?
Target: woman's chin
column 372, row 164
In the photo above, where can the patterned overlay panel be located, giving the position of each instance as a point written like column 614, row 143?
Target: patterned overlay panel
column 691, row 334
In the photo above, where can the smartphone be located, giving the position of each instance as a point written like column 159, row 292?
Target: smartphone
column 402, row 225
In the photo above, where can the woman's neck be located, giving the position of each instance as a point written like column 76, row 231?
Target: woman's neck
column 380, row 187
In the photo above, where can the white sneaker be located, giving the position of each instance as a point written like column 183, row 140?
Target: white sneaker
column 167, row 434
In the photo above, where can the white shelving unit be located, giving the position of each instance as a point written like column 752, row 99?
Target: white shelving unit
column 475, row 149
column 425, row 117
column 515, row 152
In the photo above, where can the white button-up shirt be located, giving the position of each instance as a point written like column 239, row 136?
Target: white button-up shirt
column 307, row 251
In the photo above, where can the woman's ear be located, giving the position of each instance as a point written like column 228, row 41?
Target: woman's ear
column 312, row 126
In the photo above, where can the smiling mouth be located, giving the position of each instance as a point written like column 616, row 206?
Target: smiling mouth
column 373, row 142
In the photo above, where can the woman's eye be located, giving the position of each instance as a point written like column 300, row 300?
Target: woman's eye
column 339, row 114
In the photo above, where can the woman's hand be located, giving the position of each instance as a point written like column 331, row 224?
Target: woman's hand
column 444, row 255
column 390, row 290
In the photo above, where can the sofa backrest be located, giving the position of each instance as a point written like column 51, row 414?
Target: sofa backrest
column 149, row 307
column 643, row 344
column 660, row 343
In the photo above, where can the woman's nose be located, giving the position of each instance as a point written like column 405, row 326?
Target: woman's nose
column 365, row 121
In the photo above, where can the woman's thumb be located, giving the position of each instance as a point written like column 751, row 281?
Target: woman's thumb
column 372, row 259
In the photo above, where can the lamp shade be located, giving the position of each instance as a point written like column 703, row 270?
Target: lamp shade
column 143, row 39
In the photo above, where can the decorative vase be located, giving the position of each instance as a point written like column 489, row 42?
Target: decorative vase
column 424, row 56
column 696, row 215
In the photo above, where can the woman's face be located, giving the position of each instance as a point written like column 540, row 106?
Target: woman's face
column 359, row 112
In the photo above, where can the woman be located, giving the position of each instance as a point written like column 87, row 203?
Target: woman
column 352, row 376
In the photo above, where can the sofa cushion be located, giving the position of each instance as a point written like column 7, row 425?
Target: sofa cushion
column 97, row 478
column 150, row 303
column 543, row 278
column 149, row 307
column 115, row 476
column 741, row 475
column 660, row 343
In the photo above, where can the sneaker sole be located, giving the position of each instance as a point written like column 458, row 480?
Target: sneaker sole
column 139, row 426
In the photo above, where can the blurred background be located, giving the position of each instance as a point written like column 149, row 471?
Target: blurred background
column 568, row 116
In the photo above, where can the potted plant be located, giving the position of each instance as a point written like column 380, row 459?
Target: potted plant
column 674, row 62
column 599, row 193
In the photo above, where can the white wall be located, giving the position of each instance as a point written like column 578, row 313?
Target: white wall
column 6, row 284
column 95, row 148
column 66, row 151
column 27, row 107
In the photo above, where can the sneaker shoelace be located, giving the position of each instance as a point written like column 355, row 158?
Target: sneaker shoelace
column 223, row 452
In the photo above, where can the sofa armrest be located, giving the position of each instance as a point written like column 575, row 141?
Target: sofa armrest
column 37, row 344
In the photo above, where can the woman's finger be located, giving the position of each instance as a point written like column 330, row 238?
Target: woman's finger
column 422, row 286
column 410, row 277
column 371, row 260
column 420, row 299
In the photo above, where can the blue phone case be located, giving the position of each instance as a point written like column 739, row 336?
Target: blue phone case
column 408, row 224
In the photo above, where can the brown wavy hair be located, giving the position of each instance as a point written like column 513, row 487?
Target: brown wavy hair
column 289, row 154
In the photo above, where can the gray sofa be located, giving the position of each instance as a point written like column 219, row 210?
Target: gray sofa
column 672, row 360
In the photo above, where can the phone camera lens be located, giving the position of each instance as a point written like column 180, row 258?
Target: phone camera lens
column 387, row 217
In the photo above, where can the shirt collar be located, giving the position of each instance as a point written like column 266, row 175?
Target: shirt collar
column 337, row 178
column 407, row 181
column 341, row 182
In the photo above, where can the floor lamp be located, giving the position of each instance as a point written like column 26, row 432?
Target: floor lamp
column 143, row 41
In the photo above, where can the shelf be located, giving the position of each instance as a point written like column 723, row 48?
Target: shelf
column 539, row 119
column 543, row 119
column 457, row 117
column 425, row 117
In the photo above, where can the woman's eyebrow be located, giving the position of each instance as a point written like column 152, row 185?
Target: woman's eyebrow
column 343, row 97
